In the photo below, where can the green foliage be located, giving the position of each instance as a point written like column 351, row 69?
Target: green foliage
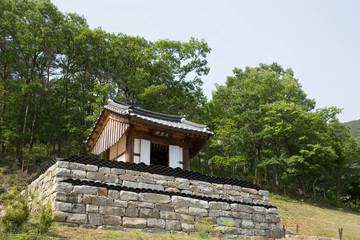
column 212, row 230
column 16, row 211
column 266, row 128
column 354, row 128
column 57, row 73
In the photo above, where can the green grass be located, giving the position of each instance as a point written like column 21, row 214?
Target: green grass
column 317, row 220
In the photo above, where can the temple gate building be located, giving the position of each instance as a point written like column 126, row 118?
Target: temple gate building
column 130, row 134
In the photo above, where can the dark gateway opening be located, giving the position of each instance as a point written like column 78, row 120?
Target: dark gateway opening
column 159, row 154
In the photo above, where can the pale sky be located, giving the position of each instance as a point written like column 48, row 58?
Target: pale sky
column 319, row 40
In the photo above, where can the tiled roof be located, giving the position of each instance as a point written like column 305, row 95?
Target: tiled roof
column 155, row 117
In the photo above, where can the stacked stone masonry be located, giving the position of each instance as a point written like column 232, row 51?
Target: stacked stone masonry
column 120, row 200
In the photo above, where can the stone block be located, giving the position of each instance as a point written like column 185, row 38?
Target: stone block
column 182, row 181
column 80, row 174
column 257, row 217
column 214, row 213
column 183, row 210
column 185, row 218
column 186, row 227
column 77, row 166
column 171, row 189
column 130, row 184
column 134, row 222
column 264, row 193
column 91, row 168
column 68, row 197
column 242, row 215
column 272, row 210
column 104, row 170
column 169, row 215
column 261, row 210
column 204, row 189
column 114, row 194
column 181, row 201
column 151, row 186
column 145, row 179
column 164, row 207
column 161, row 182
column 95, row 218
column 101, row 191
column 245, row 208
column 86, row 199
column 62, row 172
column 108, row 210
column 59, row 216
column 248, row 224
column 249, row 190
column 149, row 213
column 261, row 226
column 272, row 218
column 198, row 212
column 64, row 206
column 131, row 212
column 219, row 205
column 78, row 208
column 76, row 218
column 199, row 203
column 64, row 187
column 117, row 171
column 62, row 164
column 228, row 187
column 236, row 188
column 129, row 196
column 223, row 213
column 120, row 203
column 172, row 225
column 111, row 220
column 171, row 184
column 101, row 201
column 90, row 190
column 141, row 204
column 96, row 176
column 92, row 208
column 155, row 198
column 155, row 223
column 265, row 198
column 111, row 178
column 186, row 191
column 128, row 177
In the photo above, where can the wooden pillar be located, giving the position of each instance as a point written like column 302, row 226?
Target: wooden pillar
column 107, row 154
column 129, row 154
column 186, row 158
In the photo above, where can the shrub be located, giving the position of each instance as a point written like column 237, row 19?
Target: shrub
column 16, row 211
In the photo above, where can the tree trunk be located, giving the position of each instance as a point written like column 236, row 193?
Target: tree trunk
column 33, row 127
column 26, row 115
column 266, row 174
column 314, row 192
column 338, row 190
column 276, row 175
column 59, row 147
column 302, row 189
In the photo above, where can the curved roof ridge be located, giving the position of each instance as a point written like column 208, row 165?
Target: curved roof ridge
column 144, row 112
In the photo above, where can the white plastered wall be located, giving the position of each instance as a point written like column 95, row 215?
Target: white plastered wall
column 175, row 156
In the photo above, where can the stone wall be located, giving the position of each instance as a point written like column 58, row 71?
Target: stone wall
column 95, row 196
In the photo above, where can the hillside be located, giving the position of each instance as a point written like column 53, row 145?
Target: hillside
column 316, row 220
column 354, row 128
